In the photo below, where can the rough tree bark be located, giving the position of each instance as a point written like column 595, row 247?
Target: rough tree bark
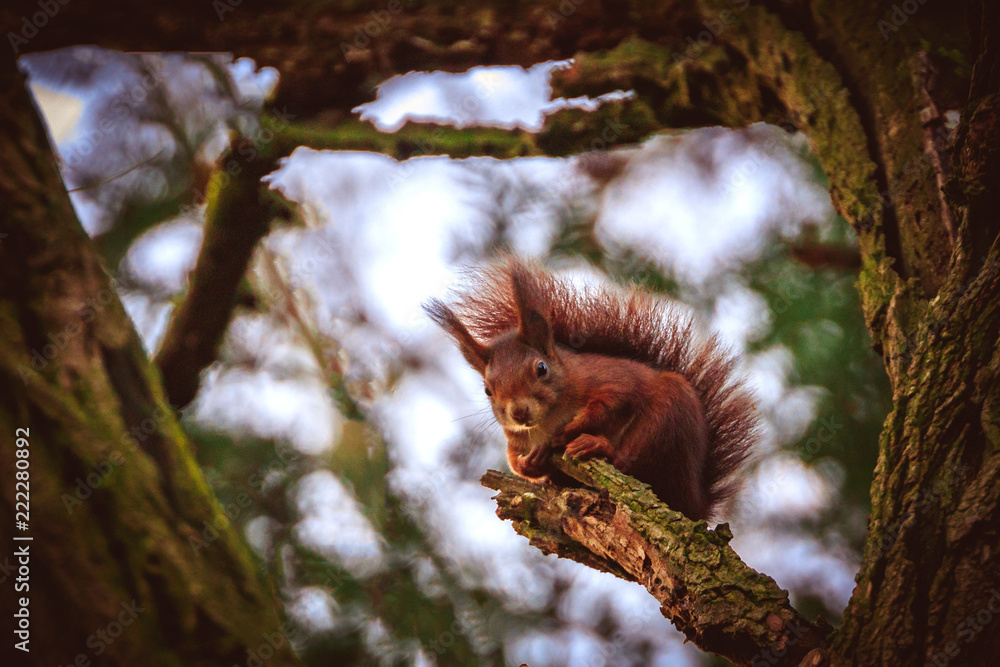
column 132, row 561
column 616, row 524
column 872, row 97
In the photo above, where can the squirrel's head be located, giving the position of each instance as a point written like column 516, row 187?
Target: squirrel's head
column 522, row 373
column 523, row 378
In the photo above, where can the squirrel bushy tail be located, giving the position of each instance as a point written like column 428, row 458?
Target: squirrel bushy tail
column 630, row 324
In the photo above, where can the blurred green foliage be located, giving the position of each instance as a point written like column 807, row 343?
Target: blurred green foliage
column 814, row 313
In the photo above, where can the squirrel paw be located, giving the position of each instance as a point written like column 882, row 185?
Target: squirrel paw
column 587, row 446
column 534, row 464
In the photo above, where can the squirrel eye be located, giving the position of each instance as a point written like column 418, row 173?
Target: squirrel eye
column 488, row 392
column 541, row 369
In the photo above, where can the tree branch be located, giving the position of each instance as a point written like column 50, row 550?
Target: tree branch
column 240, row 209
column 616, row 524
column 238, row 216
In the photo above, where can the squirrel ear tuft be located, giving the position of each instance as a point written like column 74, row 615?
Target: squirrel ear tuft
column 474, row 352
column 536, row 332
column 533, row 325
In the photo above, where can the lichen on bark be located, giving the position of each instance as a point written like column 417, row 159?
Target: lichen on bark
column 616, row 524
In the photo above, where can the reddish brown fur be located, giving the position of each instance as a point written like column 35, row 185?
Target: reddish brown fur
column 624, row 379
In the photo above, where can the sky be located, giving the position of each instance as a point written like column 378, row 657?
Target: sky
column 380, row 237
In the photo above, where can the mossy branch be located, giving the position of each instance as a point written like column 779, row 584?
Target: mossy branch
column 239, row 215
column 615, row 524
column 565, row 132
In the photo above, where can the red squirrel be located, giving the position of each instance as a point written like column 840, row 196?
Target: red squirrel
column 603, row 372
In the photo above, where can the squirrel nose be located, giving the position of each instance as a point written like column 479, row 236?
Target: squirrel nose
column 519, row 414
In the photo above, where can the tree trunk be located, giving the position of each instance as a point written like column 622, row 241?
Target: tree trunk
column 856, row 77
column 129, row 556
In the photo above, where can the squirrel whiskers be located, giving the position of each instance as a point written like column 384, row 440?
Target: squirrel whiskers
column 604, row 372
